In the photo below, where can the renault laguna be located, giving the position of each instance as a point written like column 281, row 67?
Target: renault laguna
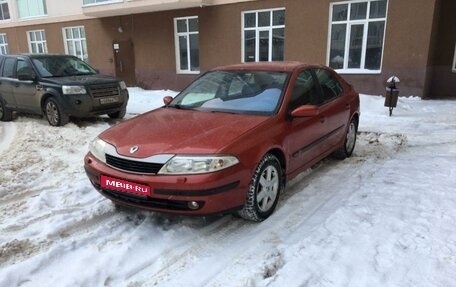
column 229, row 142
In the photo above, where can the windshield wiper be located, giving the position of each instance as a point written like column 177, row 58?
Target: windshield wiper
column 181, row 107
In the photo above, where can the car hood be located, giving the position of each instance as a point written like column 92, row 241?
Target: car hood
column 81, row 80
column 174, row 131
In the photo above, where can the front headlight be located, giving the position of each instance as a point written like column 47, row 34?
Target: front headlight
column 122, row 85
column 73, row 90
column 97, row 148
column 197, row 164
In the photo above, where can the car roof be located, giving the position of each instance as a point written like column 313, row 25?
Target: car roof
column 37, row 55
column 283, row 66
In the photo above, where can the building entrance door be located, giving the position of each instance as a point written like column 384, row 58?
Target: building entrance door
column 124, row 57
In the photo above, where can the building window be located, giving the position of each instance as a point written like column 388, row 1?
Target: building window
column 3, row 44
column 187, row 44
column 357, row 32
column 37, row 42
column 4, row 10
column 93, row 2
column 263, row 35
column 75, row 42
column 454, row 60
column 31, row 8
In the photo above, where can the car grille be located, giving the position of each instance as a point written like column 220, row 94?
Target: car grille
column 104, row 91
column 132, row 165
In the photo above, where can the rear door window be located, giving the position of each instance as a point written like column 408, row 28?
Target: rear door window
column 9, row 68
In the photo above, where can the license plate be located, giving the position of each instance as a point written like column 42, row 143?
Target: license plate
column 109, row 100
column 124, row 186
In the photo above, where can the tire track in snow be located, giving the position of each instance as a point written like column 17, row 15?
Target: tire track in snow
column 7, row 133
column 84, row 231
column 177, row 261
column 308, row 210
column 175, row 258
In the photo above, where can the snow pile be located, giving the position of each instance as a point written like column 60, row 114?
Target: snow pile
column 384, row 217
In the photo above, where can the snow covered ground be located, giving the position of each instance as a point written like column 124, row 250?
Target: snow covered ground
column 385, row 217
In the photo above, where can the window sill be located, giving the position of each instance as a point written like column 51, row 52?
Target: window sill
column 188, row 72
column 358, row 71
column 32, row 17
column 101, row 3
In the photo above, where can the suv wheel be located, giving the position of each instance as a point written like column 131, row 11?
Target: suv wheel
column 54, row 114
column 119, row 114
column 5, row 113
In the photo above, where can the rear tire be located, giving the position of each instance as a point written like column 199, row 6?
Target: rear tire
column 264, row 190
column 54, row 114
column 6, row 114
column 347, row 148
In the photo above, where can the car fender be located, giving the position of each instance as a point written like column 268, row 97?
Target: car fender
column 251, row 149
column 51, row 93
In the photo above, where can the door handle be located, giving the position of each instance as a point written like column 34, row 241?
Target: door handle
column 322, row 119
column 16, row 85
column 121, row 66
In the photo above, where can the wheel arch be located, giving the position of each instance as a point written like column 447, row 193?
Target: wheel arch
column 356, row 118
column 44, row 97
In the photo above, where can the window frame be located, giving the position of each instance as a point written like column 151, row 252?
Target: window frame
column 74, row 42
column 177, row 47
column 33, row 16
column 453, row 68
column 4, row 44
column 43, row 42
column 257, row 29
column 107, row 2
column 349, row 23
column 2, row 12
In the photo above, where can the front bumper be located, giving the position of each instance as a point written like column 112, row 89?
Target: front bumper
column 87, row 106
column 218, row 192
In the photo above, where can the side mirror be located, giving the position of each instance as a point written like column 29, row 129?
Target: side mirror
column 167, row 100
column 305, row 111
column 26, row 77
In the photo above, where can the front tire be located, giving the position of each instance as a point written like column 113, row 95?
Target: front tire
column 6, row 114
column 54, row 114
column 264, row 190
column 119, row 114
column 347, row 148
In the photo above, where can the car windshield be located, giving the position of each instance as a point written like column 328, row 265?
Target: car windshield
column 247, row 92
column 62, row 66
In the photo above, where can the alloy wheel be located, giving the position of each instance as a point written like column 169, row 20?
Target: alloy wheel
column 268, row 188
column 52, row 113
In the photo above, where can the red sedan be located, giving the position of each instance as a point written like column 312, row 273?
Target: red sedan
column 229, row 142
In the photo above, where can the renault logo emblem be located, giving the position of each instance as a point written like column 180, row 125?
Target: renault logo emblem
column 134, row 149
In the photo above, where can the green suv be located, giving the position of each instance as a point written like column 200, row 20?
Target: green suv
column 58, row 86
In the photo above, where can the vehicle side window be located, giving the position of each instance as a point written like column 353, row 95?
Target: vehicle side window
column 305, row 92
column 23, row 68
column 8, row 68
column 331, row 88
